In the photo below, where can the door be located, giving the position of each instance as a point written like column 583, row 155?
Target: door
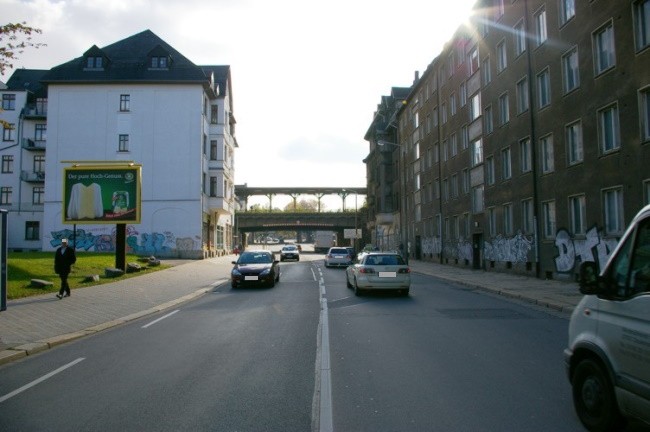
column 477, row 245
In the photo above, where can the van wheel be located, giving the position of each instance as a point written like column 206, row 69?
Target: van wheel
column 593, row 397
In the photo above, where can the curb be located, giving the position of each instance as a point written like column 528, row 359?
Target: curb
column 11, row 354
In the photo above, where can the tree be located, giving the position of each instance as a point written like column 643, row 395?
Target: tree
column 14, row 38
column 308, row 206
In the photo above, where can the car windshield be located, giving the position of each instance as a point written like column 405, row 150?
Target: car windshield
column 289, row 248
column 255, row 258
column 384, row 260
column 339, row 251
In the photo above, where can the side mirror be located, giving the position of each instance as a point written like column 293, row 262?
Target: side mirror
column 234, row 262
column 589, row 278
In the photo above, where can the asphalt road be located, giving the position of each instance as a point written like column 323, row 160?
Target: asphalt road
column 443, row 359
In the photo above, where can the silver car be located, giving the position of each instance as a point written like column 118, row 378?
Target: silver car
column 379, row 270
column 338, row 257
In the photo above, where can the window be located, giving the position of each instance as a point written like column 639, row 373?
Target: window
column 125, row 102
column 473, row 61
column 123, row 145
column 613, row 207
column 445, row 189
column 213, row 150
column 507, row 219
column 454, row 186
column 546, row 156
column 548, row 214
column 94, row 62
column 570, row 74
column 506, row 163
column 477, row 152
column 525, row 156
column 450, row 65
column 37, row 195
column 577, row 213
column 160, row 62
column 462, row 92
column 488, row 121
column 567, row 10
column 499, row 8
column 604, row 54
column 527, row 216
column 445, row 150
column 444, row 112
column 452, row 104
column 475, row 106
column 213, row 186
column 8, row 102
column 436, row 153
column 39, row 164
column 214, row 111
column 465, row 174
column 540, row 27
column 464, row 137
column 519, row 35
column 487, row 73
column 502, row 57
column 642, row 23
column 7, row 164
column 8, row 132
column 417, row 182
column 32, row 230
column 40, row 132
column 608, row 129
column 504, row 109
column 477, row 199
column 522, row 95
column 5, row 195
column 489, row 170
column 646, row 191
column 544, row 88
column 644, row 113
column 453, row 143
column 492, row 221
column 435, row 117
column 574, row 142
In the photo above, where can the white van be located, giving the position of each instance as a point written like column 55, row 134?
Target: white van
column 608, row 358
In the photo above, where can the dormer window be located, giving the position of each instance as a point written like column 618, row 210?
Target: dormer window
column 94, row 63
column 159, row 62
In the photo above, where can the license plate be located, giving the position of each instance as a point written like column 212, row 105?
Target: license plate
column 251, row 278
column 387, row 274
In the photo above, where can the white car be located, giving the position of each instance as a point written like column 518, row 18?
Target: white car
column 338, row 257
column 290, row 252
column 379, row 270
column 608, row 357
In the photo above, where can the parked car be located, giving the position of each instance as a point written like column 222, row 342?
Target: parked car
column 338, row 257
column 608, row 357
column 290, row 252
column 255, row 268
column 379, row 270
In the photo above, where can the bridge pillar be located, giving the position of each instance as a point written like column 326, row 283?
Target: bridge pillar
column 270, row 197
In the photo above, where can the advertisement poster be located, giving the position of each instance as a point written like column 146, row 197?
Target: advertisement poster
column 101, row 194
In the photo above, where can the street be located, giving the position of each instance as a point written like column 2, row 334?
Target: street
column 446, row 358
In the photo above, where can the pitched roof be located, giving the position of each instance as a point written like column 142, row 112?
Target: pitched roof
column 28, row 80
column 129, row 60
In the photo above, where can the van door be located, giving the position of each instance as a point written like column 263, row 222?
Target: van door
column 624, row 321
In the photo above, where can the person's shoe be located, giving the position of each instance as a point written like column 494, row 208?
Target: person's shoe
column 59, row 296
column 66, row 295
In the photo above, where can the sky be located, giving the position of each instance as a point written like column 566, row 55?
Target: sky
column 307, row 75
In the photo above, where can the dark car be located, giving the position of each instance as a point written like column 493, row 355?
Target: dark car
column 255, row 268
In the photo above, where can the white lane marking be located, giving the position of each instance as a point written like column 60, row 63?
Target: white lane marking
column 313, row 274
column 160, row 319
column 325, row 417
column 40, row 380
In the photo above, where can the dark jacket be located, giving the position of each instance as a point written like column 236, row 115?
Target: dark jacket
column 63, row 261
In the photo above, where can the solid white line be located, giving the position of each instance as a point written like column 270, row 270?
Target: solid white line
column 40, row 380
column 325, row 418
column 160, row 319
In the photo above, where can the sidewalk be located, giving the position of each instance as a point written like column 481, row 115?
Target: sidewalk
column 38, row 323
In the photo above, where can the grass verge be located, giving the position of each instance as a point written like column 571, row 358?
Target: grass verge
column 22, row 267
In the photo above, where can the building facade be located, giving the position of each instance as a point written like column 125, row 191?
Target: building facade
column 526, row 142
column 139, row 100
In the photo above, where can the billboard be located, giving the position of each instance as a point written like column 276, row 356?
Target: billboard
column 101, row 194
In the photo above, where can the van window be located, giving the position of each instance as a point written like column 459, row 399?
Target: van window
column 640, row 269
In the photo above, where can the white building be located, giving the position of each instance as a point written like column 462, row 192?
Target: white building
column 140, row 100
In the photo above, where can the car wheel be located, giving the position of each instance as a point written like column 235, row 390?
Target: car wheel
column 357, row 291
column 272, row 283
column 405, row 292
column 593, row 397
column 347, row 281
column 233, row 285
column 298, row 259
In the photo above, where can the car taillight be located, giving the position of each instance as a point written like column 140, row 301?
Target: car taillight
column 366, row 270
column 404, row 270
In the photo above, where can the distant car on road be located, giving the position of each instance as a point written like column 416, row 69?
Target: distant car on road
column 255, row 268
column 379, row 270
column 338, row 257
column 290, row 252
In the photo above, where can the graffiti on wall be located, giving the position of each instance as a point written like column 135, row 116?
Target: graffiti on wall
column 460, row 249
column 102, row 239
column 431, row 245
column 513, row 249
column 594, row 247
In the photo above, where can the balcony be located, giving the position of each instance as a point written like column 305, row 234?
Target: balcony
column 32, row 145
column 35, row 111
column 32, row 177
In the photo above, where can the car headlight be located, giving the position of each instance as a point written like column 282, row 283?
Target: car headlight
column 236, row 272
column 265, row 272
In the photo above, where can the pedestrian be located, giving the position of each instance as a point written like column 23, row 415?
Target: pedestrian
column 63, row 260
